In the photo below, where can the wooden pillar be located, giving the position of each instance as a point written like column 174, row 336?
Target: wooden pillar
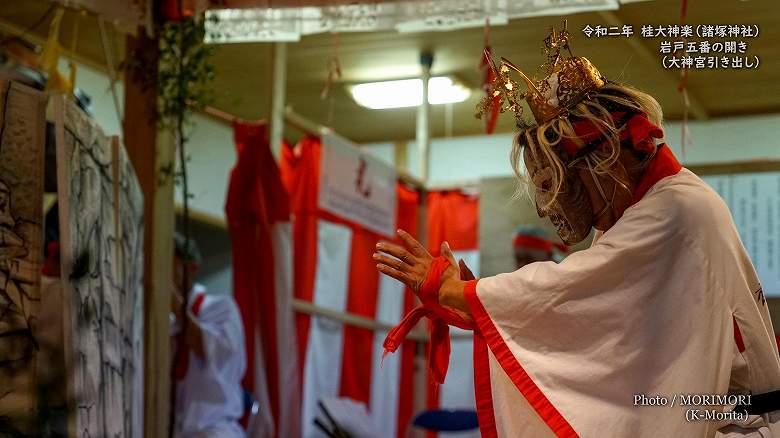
column 150, row 153
column 423, row 117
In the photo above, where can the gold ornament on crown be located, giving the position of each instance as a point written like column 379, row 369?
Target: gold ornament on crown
column 568, row 80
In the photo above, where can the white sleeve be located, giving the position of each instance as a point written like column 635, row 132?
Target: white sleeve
column 223, row 335
column 634, row 314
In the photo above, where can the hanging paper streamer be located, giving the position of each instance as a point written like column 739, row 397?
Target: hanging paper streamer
column 488, row 76
column 50, row 57
column 681, row 87
column 334, row 74
column 73, row 41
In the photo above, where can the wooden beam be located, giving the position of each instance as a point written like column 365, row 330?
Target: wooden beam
column 351, row 319
column 303, row 124
column 13, row 29
column 697, row 109
column 455, row 185
column 210, row 219
column 737, row 167
column 149, row 153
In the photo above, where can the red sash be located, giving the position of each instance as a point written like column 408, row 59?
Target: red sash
column 441, row 318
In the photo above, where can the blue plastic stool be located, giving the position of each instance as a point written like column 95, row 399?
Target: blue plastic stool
column 447, row 420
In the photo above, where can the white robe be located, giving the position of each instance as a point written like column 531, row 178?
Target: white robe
column 648, row 309
column 209, row 399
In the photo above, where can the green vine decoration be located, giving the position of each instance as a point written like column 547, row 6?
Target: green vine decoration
column 184, row 80
column 185, row 71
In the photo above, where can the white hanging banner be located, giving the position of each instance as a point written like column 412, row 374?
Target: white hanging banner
column 754, row 201
column 357, row 186
column 265, row 20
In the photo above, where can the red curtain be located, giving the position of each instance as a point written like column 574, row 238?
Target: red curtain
column 256, row 201
column 453, row 216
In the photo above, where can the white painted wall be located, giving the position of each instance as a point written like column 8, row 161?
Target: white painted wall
column 212, row 152
column 211, row 149
column 711, row 141
column 97, row 86
column 728, row 140
column 212, row 155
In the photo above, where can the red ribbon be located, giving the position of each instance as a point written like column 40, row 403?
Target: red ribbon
column 640, row 130
column 441, row 317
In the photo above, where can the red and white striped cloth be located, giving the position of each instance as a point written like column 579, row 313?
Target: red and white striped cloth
column 453, row 216
column 334, row 269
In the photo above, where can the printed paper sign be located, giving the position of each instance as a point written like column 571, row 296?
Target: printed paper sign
column 754, row 201
column 357, row 186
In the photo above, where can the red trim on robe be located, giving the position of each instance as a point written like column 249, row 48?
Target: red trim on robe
column 483, row 390
column 528, row 388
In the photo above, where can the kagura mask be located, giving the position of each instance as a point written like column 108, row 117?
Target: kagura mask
column 570, row 211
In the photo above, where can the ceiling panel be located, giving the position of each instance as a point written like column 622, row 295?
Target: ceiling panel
column 242, row 85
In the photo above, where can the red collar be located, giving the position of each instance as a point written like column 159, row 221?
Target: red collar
column 663, row 164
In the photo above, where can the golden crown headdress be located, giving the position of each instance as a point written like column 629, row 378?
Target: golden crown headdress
column 568, row 81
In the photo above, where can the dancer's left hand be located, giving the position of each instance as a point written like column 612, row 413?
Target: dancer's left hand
column 410, row 263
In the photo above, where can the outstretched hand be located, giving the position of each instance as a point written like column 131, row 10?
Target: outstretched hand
column 409, row 263
column 465, row 272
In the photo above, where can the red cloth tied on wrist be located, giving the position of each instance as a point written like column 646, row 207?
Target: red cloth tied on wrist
column 638, row 128
column 441, row 317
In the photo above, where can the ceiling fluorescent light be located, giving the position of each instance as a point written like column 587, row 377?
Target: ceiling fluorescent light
column 443, row 89
column 408, row 92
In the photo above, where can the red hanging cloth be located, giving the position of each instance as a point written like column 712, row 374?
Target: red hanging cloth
column 257, row 204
